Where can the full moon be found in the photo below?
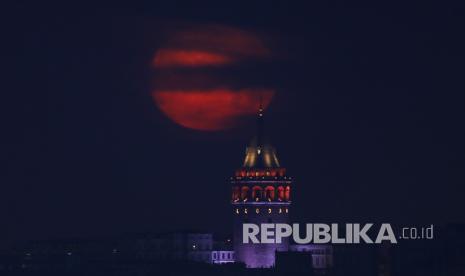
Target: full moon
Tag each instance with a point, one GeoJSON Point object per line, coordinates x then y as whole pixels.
{"type": "Point", "coordinates": [193, 72]}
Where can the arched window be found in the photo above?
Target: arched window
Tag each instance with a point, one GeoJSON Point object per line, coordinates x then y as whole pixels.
{"type": "Point", "coordinates": [257, 193]}
{"type": "Point", "coordinates": [244, 192]}
{"type": "Point", "coordinates": [287, 193]}
{"type": "Point", "coordinates": [281, 193]}
{"type": "Point", "coordinates": [236, 193]}
{"type": "Point", "coordinates": [269, 193]}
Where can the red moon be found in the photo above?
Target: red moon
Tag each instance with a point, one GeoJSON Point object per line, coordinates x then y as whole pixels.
{"type": "Point", "coordinates": [196, 98]}
{"type": "Point", "coordinates": [210, 110]}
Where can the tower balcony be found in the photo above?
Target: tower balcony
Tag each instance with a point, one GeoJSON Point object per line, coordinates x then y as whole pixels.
{"type": "Point", "coordinates": [261, 193]}
{"type": "Point", "coordinates": [260, 173]}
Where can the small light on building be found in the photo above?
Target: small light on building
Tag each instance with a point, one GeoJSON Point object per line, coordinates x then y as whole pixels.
{"type": "Point", "coordinates": [257, 210]}
{"type": "Point", "coordinates": [269, 210]}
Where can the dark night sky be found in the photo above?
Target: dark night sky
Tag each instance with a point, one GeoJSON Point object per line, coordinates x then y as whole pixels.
{"type": "Point", "coordinates": [368, 118]}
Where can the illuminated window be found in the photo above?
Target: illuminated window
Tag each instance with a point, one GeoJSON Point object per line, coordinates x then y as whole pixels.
{"type": "Point", "coordinates": [269, 193]}
{"type": "Point", "coordinates": [237, 210]}
{"type": "Point", "coordinates": [235, 193]}
{"type": "Point", "coordinates": [257, 193]}
{"type": "Point", "coordinates": [257, 210]}
{"type": "Point", "coordinates": [287, 193]}
{"type": "Point", "coordinates": [287, 210]}
{"type": "Point", "coordinates": [269, 210]}
{"type": "Point", "coordinates": [245, 210]}
{"type": "Point", "coordinates": [245, 192]}
{"type": "Point", "coordinates": [281, 193]}
{"type": "Point", "coordinates": [280, 210]}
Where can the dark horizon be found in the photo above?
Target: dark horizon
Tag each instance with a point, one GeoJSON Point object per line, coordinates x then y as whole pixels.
{"type": "Point", "coordinates": [367, 117]}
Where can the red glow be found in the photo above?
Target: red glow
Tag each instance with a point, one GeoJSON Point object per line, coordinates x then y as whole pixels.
{"type": "Point", "coordinates": [204, 99]}
{"type": "Point", "coordinates": [191, 58]}
{"type": "Point", "coordinates": [211, 45]}
{"type": "Point", "coordinates": [281, 192]}
{"type": "Point", "coordinates": [210, 110]}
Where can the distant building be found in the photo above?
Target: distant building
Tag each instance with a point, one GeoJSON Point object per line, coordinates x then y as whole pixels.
{"type": "Point", "coordinates": [188, 246]}
{"type": "Point", "coordinates": [179, 246]}
{"type": "Point", "coordinates": [321, 255]}
{"type": "Point", "coordinates": [222, 257]}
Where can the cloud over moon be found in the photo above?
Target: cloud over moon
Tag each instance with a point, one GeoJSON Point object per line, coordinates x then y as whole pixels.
{"type": "Point", "coordinates": [210, 109]}
{"type": "Point", "coordinates": [198, 82]}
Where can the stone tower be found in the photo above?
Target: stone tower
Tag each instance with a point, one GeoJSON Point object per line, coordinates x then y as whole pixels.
{"type": "Point", "coordinates": [260, 194]}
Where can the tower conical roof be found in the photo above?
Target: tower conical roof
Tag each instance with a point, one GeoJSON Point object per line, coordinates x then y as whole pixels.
{"type": "Point", "coordinates": [260, 154]}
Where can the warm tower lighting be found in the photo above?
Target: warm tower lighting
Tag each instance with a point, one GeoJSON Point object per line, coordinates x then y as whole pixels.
{"type": "Point", "coordinates": [264, 185]}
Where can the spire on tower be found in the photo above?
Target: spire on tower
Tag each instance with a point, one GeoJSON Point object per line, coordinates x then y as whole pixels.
{"type": "Point", "coordinates": [260, 125]}
{"type": "Point", "coordinates": [260, 154]}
